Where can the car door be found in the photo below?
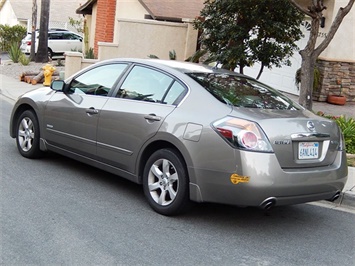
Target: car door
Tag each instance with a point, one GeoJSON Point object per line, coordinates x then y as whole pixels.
{"type": "Point", "coordinates": [71, 42]}
{"type": "Point", "coordinates": [55, 42]}
{"type": "Point", "coordinates": [126, 122]}
{"type": "Point", "coordinates": [71, 118]}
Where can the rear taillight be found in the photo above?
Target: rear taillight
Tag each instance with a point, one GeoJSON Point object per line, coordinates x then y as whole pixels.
{"type": "Point", "coordinates": [243, 134]}
{"type": "Point", "coordinates": [28, 42]}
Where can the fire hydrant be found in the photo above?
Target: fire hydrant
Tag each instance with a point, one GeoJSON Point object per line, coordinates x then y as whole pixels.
{"type": "Point", "coordinates": [48, 72]}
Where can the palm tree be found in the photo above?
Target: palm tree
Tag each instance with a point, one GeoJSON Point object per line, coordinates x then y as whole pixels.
{"type": "Point", "coordinates": [34, 26]}
{"type": "Point", "coordinates": [42, 52]}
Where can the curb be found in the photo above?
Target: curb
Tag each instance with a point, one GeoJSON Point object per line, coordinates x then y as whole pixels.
{"type": "Point", "coordinates": [346, 199]}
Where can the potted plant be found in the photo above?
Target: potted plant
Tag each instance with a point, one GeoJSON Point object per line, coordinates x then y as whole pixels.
{"type": "Point", "coordinates": [337, 99]}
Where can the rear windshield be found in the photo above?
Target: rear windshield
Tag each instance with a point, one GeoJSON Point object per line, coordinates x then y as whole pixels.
{"type": "Point", "coordinates": [243, 92]}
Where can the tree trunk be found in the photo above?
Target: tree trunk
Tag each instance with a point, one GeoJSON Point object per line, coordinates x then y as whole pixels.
{"type": "Point", "coordinates": [34, 26]}
{"type": "Point", "coordinates": [260, 71]}
{"type": "Point", "coordinates": [27, 73]}
{"type": "Point", "coordinates": [307, 78]}
{"type": "Point", "coordinates": [310, 53]}
{"type": "Point", "coordinates": [42, 52]}
{"type": "Point", "coordinates": [38, 78]}
{"type": "Point", "coordinates": [28, 79]}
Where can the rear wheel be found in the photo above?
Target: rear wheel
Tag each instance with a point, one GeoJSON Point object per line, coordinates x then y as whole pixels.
{"type": "Point", "coordinates": [27, 138]}
{"type": "Point", "coordinates": [165, 182]}
{"type": "Point", "coordinates": [50, 53]}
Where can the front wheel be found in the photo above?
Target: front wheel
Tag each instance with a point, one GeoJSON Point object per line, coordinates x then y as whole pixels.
{"type": "Point", "coordinates": [165, 182]}
{"type": "Point", "coordinates": [27, 138]}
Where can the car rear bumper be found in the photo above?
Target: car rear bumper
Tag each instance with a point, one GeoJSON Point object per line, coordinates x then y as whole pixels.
{"type": "Point", "coordinates": [259, 179]}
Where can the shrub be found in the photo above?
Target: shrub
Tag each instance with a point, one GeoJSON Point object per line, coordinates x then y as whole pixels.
{"type": "Point", "coordinates": [10, 35]}
{"type": "Point", "coordinates": [59, 62]}
{"type": "Point", "coordinates": [24, 60]}
{"type": "Point", "coordinates": [15, 52]}
{"type": "Point", "coordinates": [347, 126]}
{"type": "Point", "coordinates": [89, 54]}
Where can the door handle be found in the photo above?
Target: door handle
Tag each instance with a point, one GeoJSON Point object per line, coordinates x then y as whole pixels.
{"type": "Point", "coordinates": [92, 111]}
{"type": "Point", "coordinates": [152, 117]}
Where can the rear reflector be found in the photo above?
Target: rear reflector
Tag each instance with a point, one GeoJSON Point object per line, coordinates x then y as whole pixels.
{"type": "Point", "coordinates": [225, 133]}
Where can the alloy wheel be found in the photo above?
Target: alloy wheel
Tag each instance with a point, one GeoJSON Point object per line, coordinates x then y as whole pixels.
{"type": "Point", "coordinates": [26, 134]}
{"type": "Point", "coordinates": [163, 182]}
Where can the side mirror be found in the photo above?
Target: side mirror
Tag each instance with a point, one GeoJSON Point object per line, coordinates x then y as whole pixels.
{"type": "Point", "coordinates": [58, 85]}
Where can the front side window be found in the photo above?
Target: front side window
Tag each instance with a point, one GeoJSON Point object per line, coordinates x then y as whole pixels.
{"type": "Point", "coordinates": [145, 84]}
{"type": "Point", "coordinates": [243, 92]}
{"type": "Point", "coordinates": [55, 36]}
{"type": "Point", "coordinates": [97, 81]}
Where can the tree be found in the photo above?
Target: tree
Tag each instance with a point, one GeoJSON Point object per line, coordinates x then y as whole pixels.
{"type": "Point", "coordinates": [239, 33]}
{"type": "Point", "coordinates": [33, 32]}
{"type": "Point", "coordinates": [42, 51]}
{"type": "Point", "coordinates": [310, 53]}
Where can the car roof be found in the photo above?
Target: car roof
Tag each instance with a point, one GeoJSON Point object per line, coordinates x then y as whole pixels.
{"type": "Point", "coordinates": [187, 67]}
{"type": "Point", "coordinates": [181, 66]}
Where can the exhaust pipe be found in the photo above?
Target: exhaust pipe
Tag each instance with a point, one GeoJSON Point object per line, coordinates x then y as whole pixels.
{"type": "Point", "coordinates": [268, 203]}
{"type": "Point", "coordinates": [335, 197]}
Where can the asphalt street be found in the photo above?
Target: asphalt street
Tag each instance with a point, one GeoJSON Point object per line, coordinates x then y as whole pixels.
{"type": "Point", "coordinates": [58, 211]}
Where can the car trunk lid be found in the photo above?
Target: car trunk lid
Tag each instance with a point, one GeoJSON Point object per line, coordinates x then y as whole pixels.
{"type": "Point", "coordinates": [298, 137]}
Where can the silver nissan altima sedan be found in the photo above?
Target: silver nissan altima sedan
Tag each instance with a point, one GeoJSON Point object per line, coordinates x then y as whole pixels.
{"type": "Point", "coordinates": [186, 132]}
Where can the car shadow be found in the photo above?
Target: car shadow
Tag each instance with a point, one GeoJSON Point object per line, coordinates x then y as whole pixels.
{"type": "Point", "coordinates": [208, 214]}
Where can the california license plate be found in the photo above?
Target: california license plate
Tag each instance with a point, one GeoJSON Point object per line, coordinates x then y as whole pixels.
{"type": "Point", "coordinates": [308, 150]}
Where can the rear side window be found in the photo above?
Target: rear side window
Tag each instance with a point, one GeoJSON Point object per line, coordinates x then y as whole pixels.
{"type": "Point", "coordinates": [243, 92]}
{"type": "Point", "coordinates": [174, 95]}
{"type": "Point", "coordinates": [71, 36]}
{"type": "Point", "coordinates": [146, 84]}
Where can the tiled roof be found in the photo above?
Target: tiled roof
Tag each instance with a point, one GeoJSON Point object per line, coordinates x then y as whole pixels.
{"type": "Point", "coordinates": [173, 9]}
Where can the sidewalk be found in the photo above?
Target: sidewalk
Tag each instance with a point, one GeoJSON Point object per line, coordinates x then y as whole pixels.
{"type": "Point", "coordinates": [12, 88]}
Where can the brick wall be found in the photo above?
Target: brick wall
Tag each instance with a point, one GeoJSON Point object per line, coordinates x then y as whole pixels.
{"type": "Point", "coordinates": [105, 22]}
{"type": "Point", "coordinates": [336, 76]}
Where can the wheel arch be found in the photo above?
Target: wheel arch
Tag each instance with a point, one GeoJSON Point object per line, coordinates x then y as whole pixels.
{"type": "Point", "coordinates": [158, 145]}
{"type": "Point", "coordinates": [19, 110]}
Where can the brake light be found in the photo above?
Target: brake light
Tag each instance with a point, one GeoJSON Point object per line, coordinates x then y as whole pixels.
{"type": "Point", "coordinates": [243, 134]}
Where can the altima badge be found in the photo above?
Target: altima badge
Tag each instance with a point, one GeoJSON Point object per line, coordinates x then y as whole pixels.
{"type": "Point", "coordinates": [310, 126]}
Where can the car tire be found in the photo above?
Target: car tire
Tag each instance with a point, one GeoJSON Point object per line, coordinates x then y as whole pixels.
{"type": "Point", "coordinates": [166, 183]}
{"type": "Point", "coordinates": [50, 53]}
{"type": "Point", "coordinates": [27, 135]}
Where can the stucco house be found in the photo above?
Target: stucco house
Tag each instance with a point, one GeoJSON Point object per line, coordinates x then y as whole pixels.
{"type": "Point", "coordinates": [162, 25]}
{"type": "Point", "coordinates": [336, 62]}
{"type": "Point", "coordinates": [138, 28]}
{"type": "Point", "coordinates": [19, 12]}
{"type": "Point", "coordinates": [141, 27]}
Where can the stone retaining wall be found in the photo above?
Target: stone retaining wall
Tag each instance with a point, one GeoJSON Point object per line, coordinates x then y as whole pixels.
{"type": "Point", "coordinates": [336, 77]}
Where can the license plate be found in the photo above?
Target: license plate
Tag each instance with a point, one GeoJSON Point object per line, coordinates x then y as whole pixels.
{"type": "Point", "coordinates": [308, 150]}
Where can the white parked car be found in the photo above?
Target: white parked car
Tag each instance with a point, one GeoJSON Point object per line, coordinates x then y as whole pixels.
{"type": "Point", "coordinates": [59, 41]}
